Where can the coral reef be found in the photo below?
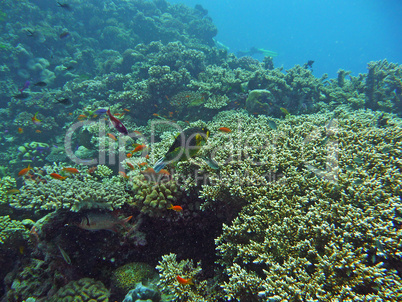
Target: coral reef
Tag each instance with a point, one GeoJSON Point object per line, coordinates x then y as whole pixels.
{"type": "Point", "coordinates": [73, 194]}
{"type": "Point", "coordinates": [333, 229]}
{"type": "Point", "coordinates": [85, 289]}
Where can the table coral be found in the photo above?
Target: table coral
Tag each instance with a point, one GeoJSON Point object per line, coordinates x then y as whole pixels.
{"type": "Point", "coordinates": [72, 194]}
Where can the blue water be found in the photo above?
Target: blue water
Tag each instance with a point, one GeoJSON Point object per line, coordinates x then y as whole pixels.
{"type": "Point", "coordinates": [337, 34]}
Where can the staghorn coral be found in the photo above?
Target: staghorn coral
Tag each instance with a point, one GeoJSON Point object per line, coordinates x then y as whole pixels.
{"type": "Point", "coordinates": [169, 268]}
{"type": "Point", "coordinates": [383, 87]}
{"type": "Point", "coordinates": [73, 194]}
{"type": "Point", "coordinates": [329, 228]}
{"type": "Point", "coordinates": [85, 289]}
{"type": "Point", "coordinates": [126, 277]}
{"type": "Point", "coordinates": [153, 197]}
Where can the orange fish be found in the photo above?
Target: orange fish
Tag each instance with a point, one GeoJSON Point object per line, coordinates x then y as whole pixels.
{"type": "Point", "coordinates": [24, 171]}
{"type": "Point", "coordinates": [139, 148]}
{"type": "Point", "coordinates": [164, 172]}
{"type": "Point", "coordinates": [38, 131]}
{"type": "Point", "coordinates": [170, 113]}
{"type": "Point", "coordinates": [147, 156]}
{"type": "Point", "coordinates": [92, 169]}
{"type": "Point", "coordinates": [184, 281]}
{"type": "Point", "coordinates": [142, 164]}
{"type": "Point", "coordinates": [155, 114]}
{"type": "Point", "coordinates": [224, 129]}
{"type": "Point", "coordinates": [20, 130]}
{"type": "Point", "coordinates": [125, 109]}
{"type": "Point", "coordinates": [138, 132]}
{"type": "Point", "coordinates": [112, 136]}
{"type": "Point", "coordinates": [81, 116]}
{"type": "Point", "coordinates": [35, 120]}
{"type": "Point", "coordinates": [124, 175]}
{"type": "Point", "coordinates": [57, 176]}
{"type": "Point", "coordinates": [129, 155]}
{"type": "Point", "coordinates": [71, 170]}
{"type": "Point", "coordinates": [130, 165]}
{"type": "Point", "coordinates": [175, 208]}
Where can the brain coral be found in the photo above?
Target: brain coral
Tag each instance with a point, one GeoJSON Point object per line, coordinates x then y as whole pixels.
{"type": "Point", "coordinates": [326, 224]}
{"type": "Point", "coordinates": [85, 289]}
{"type": "Point", "coordinates": [71, 193]}
{"type": "Point", "coordinates": [127, 276]}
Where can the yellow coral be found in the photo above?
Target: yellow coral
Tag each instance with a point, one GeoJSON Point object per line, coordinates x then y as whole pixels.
{"type": "Point", "coordinates": [127, 276]}
{"type": "Point", "coordinates": [153, 198]}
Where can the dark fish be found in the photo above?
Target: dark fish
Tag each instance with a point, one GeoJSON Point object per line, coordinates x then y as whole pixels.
{"type": "Point", "coordinates": [211, 163]}
{"type": "Point", "coordinates": [358, 160]}
{"type": "Point", "coordinates": [350, 168]}
{"type": "Point", "coordinates": [358, 182]}
{"type": "Point", "coordinates": [117, 124]}
{"type": "Point", "coordinates": [64, 101]}
{"type": "Point", "coordinates": [64, 6]}
{"type": "Point", "coordinates": [387, 149]}
{"type": "Point", "coordinates": [21, 96]}
{"type": "Point", "coordinates": [272, 125]}
{"type": "Point", "coordinates": [40, 84]}
{"type": "Point", "coordinates": [30, 33]}
{"type": "Point", "coordinates": [26, 85]}
{"type": "Point", "coordinates": [69, 68]}
{"type": "Point", "coordinates": [100, 111]}
{"type": "Point", "coordinates": [64, 35]}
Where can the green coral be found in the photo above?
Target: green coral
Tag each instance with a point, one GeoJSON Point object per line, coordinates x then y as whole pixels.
{"type": "Point", "coordinates": [103, 171]}
{"type": "Point", "coordinates": [126, 277]}
{"type": "Point", "coordinates": [85, 289]}
{"type": "Point", "coordinates": [72, 193]}
{"type": "Point", "coordinates": [6, 183]}
{"type": "Point", "coordinates": [12, 233]}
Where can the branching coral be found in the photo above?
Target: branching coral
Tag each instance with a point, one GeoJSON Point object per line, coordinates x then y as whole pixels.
{"type": "Point", "coordinates": [330, 229]}
{"type": "Point", "coordinates": [169, 269]}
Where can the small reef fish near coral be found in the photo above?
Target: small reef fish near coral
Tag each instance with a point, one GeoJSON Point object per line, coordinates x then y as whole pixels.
{"type": "Point", "coordinates": [144, 157]}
